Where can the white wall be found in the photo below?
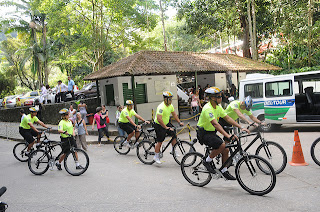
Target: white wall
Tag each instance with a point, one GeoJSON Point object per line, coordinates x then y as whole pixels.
{"type": "Point", "coordinates": [219, 79]}
{"type": "Point", "coordinates": [155, 86]}
{"type": "Point", "coordinates": [204, 79]}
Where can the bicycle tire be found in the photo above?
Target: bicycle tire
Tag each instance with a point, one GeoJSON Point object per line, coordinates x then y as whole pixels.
{"type": "Point", "coordinates": [194, 171]}
{"type": "Point", "coordinates": [146, 152]}
{"type": "Point", "coordinates": [274, 154]}
{"type": "Point", "coordinates": [119, 147]}
{"type": "Point", "coordinates": [315, 150]}
{"type": "Point", "coordinates": [35, 161]}
{"type": "Point", "coordinates": [70, 162]}
{"type": "Point", "coordinates": [249, 175]}
{"type": "Point", "coordinates": [19, 151]}
{"type": "Point", "coordinates": [180, 149]}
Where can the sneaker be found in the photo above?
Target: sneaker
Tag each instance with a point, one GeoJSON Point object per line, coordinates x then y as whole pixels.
{"type": "Point", "coordinates": [157, 160]}
{"type": "Point", "coordinates": [228, 176]}
{"type": "Point", "coordinates": [58, 165]}
{"type": "Point", "coordinates": [127, 144]}
{"type": "Point", "coordinates": [79, 167]}
{"type": "Point", "coordinates": [27, 154]}
{"type": "Point", "coordinates": [209, 166]}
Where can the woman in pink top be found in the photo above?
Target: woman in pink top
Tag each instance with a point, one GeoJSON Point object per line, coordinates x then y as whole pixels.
{"type": "Point", "coordinates": [195, 104]}
{"type": "Point", "coordinates": [102, 128]}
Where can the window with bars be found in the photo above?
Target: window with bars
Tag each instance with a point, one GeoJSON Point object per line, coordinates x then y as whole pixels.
{"type": "Point", "coordinates": [140, 93]}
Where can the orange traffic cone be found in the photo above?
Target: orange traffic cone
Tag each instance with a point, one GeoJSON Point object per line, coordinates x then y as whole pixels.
{"type": "Point", "coordinates": [297, 154]}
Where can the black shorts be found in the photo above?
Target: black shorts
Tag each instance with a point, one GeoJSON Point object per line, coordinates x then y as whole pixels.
{"type": "Point", "coordinates": [127, 127]}
{"type": "Point", "coordinates": [225, 124]}
{"type": "Point", "coordinates": [211, 139]}
{"type": "Point", "coordinates": [161, 132]}
{"type": "Point", "coordinates": [67, 143]}
{"type": "Point", "coordinates": [28, 134]}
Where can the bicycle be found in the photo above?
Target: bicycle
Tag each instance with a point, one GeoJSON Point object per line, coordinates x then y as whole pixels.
{"type": "Point", "coordinates": [248, 170]}
{"type": "Point", "coordinates": [3, 205]}
{"type": "Point", "coordinates": [41, 160]}
{"type": "Point", "coordinates": [270, 150]}
{"type": "Point", "coordinates": [123, 149]}
{"type": "Point", "coordinates": [146, 150]}
{"type": "Point", "coordinates": [315, 149]}
{"type": "Point", "coordinates": [19, 150]}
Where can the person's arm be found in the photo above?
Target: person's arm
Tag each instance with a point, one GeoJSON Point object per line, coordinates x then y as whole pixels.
{"type": "Point", "coordinates": [177, 118]}
{"type": "Point", "coordinates": [241, 116]}
{"type": "Point", "coordinates": [32, 127]}
{"type": "Point", "coordinates": [232, 122]}
{"type": "Point", "coordinates": [93, 122]}
{"type": "Point", "coordinates": [42, 124]}
{"type": "Point", "coordinates": [85, 126]}
{"type": "Point", "coordinates": [253, 118]}
{"type": "Point", "coordinates": [142, 119]}
{"type": "Point", "coordinates": [131, 121]}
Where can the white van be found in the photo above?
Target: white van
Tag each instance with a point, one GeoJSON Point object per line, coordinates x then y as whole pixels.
{"type": "Point", "coordinates": [284, 99]}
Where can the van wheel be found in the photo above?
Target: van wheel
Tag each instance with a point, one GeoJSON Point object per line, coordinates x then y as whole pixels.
{"type": "Point", "coordinates": [268, 127]}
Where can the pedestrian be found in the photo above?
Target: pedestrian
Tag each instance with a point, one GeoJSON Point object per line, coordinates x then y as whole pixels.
{"type": "Point", "coordinates": [61, 92]}
{"type": "Point", "coordinates": [22, 113]}
{"type": "Point", "coordinates": [195, 105]}
{"type": "Point", "coordinates": [38, 106]}
{"type": "Point", "coordinates": [44, 94]}
{"type": "Point", "coordinates": [72, 114]}
{"type": "Point", "coordinates": [82, 108]}
{"type": "Point", "coordinates": [234, 91]}
{"type": "Point", "coordinates": [102, 129]}
{"type": "Point", "coordinates": [71, 87]}
{"type": "Point", "coordinates": [80, 132]}
{"type": "Point", "coordinates": [105, 116]}
{"type": "Point", "coordinates": [118, 112]}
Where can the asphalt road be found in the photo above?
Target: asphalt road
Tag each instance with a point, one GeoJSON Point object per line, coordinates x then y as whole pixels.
{"type": "Point", "coordinates": [122, 183]}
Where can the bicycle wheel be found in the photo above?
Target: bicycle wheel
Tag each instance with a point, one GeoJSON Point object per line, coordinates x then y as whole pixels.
{"type": "Point", "coordinates": [19, 151]}
{"type": "Point", "coordinates": [76, 162]}
{"type": "Point", "coordinates": [315, 151]}
{"type": "Point", "coordinates": [193, 170]}
{"type": "Point", "coordinates": [146, 152]}
{"type": "Point", "coordinates": [251, 178]}
{"type": "Point", "coordinates": [119, 147]}
{"type": "Point", "coordinates": [180, 149]}
{"type": "Point", "coordinates": [38, 162]}
{"type": "Point", "coordinates": [274, 154]}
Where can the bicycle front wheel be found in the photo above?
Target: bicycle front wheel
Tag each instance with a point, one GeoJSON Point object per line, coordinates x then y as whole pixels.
{"type": "Point", "coordinates": [274, 154]}
{"type": "Point", "coordinates": [146, 152]}
{"type": "Point", "coordinates": [19, 151]}
{"type": "Point", "coordinates": [38, 162]}
{"type": "Point", "coordinates": [76, 162]}
{"type": "Point", "coordinates": [315, 151]}
{"type": "Point", "coordinates": [119, 146]}
{"type": "Point", "coordinates": [251, 178]}
{"type": "Point", "coordinates": [180, 149]}
{"type": "Point", "coordinates": [193, 169]}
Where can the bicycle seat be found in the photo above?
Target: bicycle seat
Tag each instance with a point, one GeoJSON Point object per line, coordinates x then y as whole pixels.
{"type": "Point", "coordinates": [150, 129]}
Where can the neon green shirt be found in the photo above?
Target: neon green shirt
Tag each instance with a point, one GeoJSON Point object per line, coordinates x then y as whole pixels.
{"type": "Point", "coordinates": [65, 126]}
{"type": "Point", "coordinates": [208, 114]}
{"type": "Point", "coordinates": [24, 123]}
{"type": "Point", "coordinates": [165, 111]}
{"type": "Point", "coordinates": [236, 105]}
{"type": "Point", "coordinates": [124, 113]}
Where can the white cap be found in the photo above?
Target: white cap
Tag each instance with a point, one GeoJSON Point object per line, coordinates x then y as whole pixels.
{"type": "Point", "coordinates": [231, 98]}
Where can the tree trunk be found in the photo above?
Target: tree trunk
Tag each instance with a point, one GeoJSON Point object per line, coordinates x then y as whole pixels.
{"type": "Point", "coordinates": [254, 32]}
{"type": "Point", "coordinates": [310, 14]}
{"type": "Point", "coordinates": [163, 27]}
{"type": "Point", "coordinates": [246, 37]}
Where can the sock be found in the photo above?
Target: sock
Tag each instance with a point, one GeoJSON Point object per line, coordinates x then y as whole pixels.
{"type": "Point", "coordinates": [224, 170]}
{"type": "Point", "coordinates": [208, 159]}
{"type": "Point", "coordinates": [157, 155]}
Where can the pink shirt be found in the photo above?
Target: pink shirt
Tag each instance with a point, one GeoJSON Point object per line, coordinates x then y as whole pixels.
{"type": "Point", "coordinates": [194, 102]}
{"type": "Point", "coordinates": [97, 117]}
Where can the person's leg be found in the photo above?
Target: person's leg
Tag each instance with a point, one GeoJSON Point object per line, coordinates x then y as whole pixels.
{"type": "Point", "coordinates": [78, 140]}
{"type": "Point", "coordinates": [83, 141]}
{"type": "Point", "coordinates": [100, 131]}
{"type": "Point", "coordinates": [106, 132]}
{"type": "Point", "coordinates": [72, 94]}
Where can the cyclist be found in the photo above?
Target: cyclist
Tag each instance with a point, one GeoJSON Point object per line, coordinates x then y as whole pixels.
{"type": "Point", "coordinates": [127, 124]}
{"type": "Point", "coordinates": [66, 130]}
{"type": "Point", "coordinates": [162, 125]}
{"type": "Point", "coordinates": [28, 131]}
{"type": "Point", "coordinates": [208, 126]}
{"type": "Point", "coordinates": [237, 108]}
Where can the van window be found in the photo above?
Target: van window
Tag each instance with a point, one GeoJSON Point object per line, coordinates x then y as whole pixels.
{"type": "Point", "coordinates": [281, 88]}
{"type": "Point", "coordinates": [314, 83]}
{"type": "Point", "coordinates": [253, 90]}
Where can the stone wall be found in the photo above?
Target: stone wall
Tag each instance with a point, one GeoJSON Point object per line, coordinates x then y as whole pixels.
{"type": "Point", "coordinates": [50, 112]}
